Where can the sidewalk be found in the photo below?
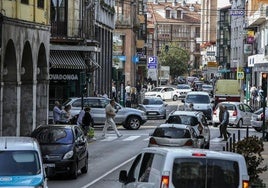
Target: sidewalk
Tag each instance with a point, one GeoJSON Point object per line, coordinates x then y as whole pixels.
{"type": "Point", "coordinates": [264, 175]}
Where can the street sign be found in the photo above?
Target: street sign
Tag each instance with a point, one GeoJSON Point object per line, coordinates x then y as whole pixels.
{"type": "Point", "coordinates": [240, 75]}
{"type": "Point", "coordinates": [152, 62]}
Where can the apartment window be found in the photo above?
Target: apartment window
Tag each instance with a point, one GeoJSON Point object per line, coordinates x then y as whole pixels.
{"type": "Point", "coordinates": [167, 13]}
{"type": "Point", "coordinates": [25, 1]}
{"type": "Point", "coordinates": [179, 16]}
{"type": "Point", "coordinates": [40, 4]}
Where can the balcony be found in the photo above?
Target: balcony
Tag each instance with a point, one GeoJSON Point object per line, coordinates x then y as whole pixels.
{"type": "Point", "coordinates": [258, 17]}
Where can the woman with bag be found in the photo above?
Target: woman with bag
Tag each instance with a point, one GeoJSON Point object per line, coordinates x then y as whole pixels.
{"type": "Point", "coordinates": [87, 122]}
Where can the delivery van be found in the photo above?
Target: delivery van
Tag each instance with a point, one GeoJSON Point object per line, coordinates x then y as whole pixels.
{"type": "Point", "coordinates": [21, 163]}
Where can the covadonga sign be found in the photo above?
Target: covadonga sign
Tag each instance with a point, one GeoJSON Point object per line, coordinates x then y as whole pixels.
{"type": "Point", "coordinates": [63, 77]}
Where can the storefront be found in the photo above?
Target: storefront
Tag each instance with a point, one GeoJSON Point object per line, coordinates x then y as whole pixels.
{"type": "Point", "coordinates": [67, 75]}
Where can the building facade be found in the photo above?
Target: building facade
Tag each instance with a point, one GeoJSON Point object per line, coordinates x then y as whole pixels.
{"type": "Point", "coordinates": [24, 59]}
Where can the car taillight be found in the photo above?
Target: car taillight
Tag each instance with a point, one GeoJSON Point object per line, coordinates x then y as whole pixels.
{"type": "Point", "coordinates": [165, 182]}
{"type": "Point", "coordinates": [245, 184]}
{"type": "Point", "coordinates": [199, 154]}
{"type": "Point", "coordinates": [189, 143]}
{"type": "Point", "coordinates": [235, 113]}
{"type": "Point", "coordinates": [152, 141]}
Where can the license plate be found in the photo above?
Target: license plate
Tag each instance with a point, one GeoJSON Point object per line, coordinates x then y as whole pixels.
{"type": "Point", "coordinates": [51, 165]}
{"type": "Point", "coordinates": [152, 113]}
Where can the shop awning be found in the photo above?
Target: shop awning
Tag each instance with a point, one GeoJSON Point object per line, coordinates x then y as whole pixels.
{"type": "Point", "coordinates": [66, 60]}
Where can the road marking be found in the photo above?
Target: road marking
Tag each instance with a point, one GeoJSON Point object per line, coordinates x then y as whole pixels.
{"type": "Point", "coordinates": [130, 138]}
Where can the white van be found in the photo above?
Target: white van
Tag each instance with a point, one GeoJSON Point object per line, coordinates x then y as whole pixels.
{"type": "Point", "coordinates": [185, 168]}
{"type": "Point", "coordinates": [21, 163]}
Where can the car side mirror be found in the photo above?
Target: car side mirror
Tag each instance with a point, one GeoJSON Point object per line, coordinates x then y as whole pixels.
{"type": "Point", "coordinates": [123, 176]}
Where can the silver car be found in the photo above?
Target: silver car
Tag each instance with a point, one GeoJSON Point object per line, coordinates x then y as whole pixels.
{"type": "Point", "coordinates": [130, 118]}
{"type": "Point", "coordinates": [175, 135]}
{"type": "Point", "coordinates": [154, 107]}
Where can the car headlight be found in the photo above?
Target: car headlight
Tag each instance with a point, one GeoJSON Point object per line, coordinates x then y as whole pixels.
{"type": "Point", "coordinates": [68, 155]}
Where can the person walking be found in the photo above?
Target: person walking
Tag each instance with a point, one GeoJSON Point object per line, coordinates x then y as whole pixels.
{"type": "Point", "coordinates": [224, 123]}
{"type": "Point", "coordinates": [57, 113]}
{"type": "Point", "coordinates": [66, 115]}
{"type": "Point", "coordinates": [221, 116]}
{"type": "Point", "coordinates": [110, 114]}
{"type": "Point", "coordinates": [87, 121]}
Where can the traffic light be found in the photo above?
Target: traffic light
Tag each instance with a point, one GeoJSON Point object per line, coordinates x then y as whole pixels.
{"type": "Point", "coordinates": [264, 83]}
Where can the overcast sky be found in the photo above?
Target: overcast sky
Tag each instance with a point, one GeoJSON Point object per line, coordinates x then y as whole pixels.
{"type": "Point", "coordinates": [223, 3]}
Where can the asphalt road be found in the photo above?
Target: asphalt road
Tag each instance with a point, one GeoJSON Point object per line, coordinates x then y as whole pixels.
{"type": "Point", "coordinates": [110, 155]}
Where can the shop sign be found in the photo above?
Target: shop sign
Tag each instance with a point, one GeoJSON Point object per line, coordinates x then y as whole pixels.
{"type": "Point", "coordinates": [63, 77]}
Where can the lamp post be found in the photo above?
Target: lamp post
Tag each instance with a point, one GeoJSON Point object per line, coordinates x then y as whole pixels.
{"type": "Point", "coordinates": [264, 94]}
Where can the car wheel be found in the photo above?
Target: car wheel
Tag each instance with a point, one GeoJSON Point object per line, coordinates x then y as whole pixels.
{"type": "Point", "coordinates": [239, 123]}
{"type": "Point", "coordinates": [85, 168]}
{"type": "Point", "coordinates": [258, 129]}
{"type": "Point", "coordinates": [175, 97]}
{"type": "Point", "coordinates": [133, 122]}
{"type": "Point", "coordinates": [74, 171]}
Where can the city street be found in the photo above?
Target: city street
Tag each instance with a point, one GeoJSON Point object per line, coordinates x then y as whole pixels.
{"type": "Point", "coordinates": [110, 155]}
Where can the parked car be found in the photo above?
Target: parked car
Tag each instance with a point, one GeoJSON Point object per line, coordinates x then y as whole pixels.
{"type": "Point", "coordinates": [257, 119]}
{"type": "Point", "coordinates": [176, 135]}
{"type": "Point", "coordinates": [185, 168]}
{"type": "Point", "coordinates": [164, 93]}
{"type": "Point", "coordinates": [183, 89]}
{"type": "Point", "coordinates": [154, 107]}
{"type": "Point", "coordinates": [64, 149]}
{"type": "Point", "coordinates": [130, 118]}
{"type": "Point", "coordinates": [196, 120]}
{"type": "Point", "coordinates": [239, 113]}
{"type": "Point", "coordinates": [21, 163]}
{"type": "Point", "coordinates": [201, 102]}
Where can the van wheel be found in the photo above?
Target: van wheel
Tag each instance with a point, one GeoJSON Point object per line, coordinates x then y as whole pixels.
{"type": "Point", "coordinates": [74, 171]}
{"type": "Point", "coordinates": [85, 168]}
{"type": "Point", "coordinates": [239, 123]}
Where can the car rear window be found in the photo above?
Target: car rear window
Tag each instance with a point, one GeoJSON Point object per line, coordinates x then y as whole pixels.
{"type": "Point", "coordinates": [183, 119]}
{"type": "Point", "coordinates": [152, 101]}
{"type": "Point", "coordinates": [17, 163]}
{"type": "Point", "coordinates": [199, 99]}
{"type": "Point", "coordinates": [55, 135]}
{"type": "Point", "coordinates": [171, 132]}
{"type": "Point", "coordinates": [202, 172]}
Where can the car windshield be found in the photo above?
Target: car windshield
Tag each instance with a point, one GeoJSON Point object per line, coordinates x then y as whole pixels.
{"type": "Point", "coordinates": [171, 132]}
{"type": "Point", "coordinates": [203, 172]}
{"type": "Point", "coordinates": [183, 87]}
{"type": "Point", "coordinates": [183, 119]}
{"type": "Point", "coordinates": [16, 163]}
{"type": "Point", "coordinates": [207, 87]}
{"type": "Point", "coordinates": [153, 101]}
{"type": "Point", "coordinates": [199, 99]}
{"type": "Point", "coordinates": [55, 135]}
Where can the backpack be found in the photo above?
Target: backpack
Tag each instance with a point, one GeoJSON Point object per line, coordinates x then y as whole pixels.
{"type": "Point", "coordinates": [87, 119]}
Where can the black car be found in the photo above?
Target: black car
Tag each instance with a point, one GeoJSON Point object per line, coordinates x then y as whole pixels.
{"type": "Point", "coordinates": [64, 149]}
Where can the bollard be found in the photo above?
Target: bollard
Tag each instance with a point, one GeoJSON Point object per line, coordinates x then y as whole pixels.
{"type": "Point", "coordinates": [231, 144]}
{"type": "Point", "coordinates": [227, 146]}
{"type": "Point", "coordinates": [234, 142]}
{"type": "Point", "coordinates": [238, 135]}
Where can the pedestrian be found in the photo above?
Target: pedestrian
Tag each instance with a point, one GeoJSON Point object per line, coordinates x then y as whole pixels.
{"type": "Point", "coordinates": [87, 121]}
{"type": "Point", "coordinates": [66, 115]}
{"type": "Point", "coordinates": [80, 117]}
{"type": "Point", "coordinates": [224, 123]}
{"type": "Point", "coordinates": [110, 114]}
{"type": "Point", "coordinates": [57, 112]}
{"type": "Point", "coordinates": [221, 116]}
{"type": "Point", "coordinates": [190, 107]}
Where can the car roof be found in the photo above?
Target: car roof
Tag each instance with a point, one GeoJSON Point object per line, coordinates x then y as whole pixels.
{"type": "Point", "coordinates": [66, 126]}
{"type": "Point", "coordinates": [190, 113]}
{"type": "Point", "coordinates": [18, 143]}
{"type": "Point", "coordinates": [182, 126]}
{"type": "Point", "coordinates": [188, 152]}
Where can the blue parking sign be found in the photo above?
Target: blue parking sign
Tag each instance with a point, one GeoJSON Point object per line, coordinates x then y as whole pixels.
{"type": "Point", "coordinates": [152, 62]}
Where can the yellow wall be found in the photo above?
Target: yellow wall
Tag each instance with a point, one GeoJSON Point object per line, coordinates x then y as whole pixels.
{"type": "Point", "coordinates": [30, 12]}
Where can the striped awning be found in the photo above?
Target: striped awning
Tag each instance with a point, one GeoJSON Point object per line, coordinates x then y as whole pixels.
{"type": "Point", "coordinates": [66, 60]}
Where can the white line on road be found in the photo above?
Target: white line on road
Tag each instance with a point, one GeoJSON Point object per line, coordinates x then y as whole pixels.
{"type": "Point", "coordinates": [109, 172]}
{"type": "Point", "coordinates": [131, 138]}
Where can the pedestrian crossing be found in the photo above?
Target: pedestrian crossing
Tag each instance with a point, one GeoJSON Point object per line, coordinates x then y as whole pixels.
{"type": "Point", "coordinates": [124, 138]}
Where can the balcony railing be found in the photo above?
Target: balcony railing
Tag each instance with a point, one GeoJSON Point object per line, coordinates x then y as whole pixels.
{"type": "Point", "coordinates": [259, 16]}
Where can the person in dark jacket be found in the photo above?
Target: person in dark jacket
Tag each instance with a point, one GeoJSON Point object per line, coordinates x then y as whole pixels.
{"type": "Point", "coordinates": [87, 120]}
{"type": "Point", "coordinates": [224, 123]}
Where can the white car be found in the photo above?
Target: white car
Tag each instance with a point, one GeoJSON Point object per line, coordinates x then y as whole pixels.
{"type": "Point", "coordinates": [183, 89]}
{"type": "Point", "coordinates": [165, 93]}
{"type": "Point", "coordinates": [239, 113]}
{"type": "Point", "coordinates": [159, 167]}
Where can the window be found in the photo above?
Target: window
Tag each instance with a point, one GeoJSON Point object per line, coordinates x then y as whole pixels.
{"type": "Point", "coordinates": [167, 13]}
{"type": "Point", "coordinates": [146, 167]}
{"type": "Point", "coordinates": [40, 4]}
{"type": "Point", "coordinates": [25, 1]}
